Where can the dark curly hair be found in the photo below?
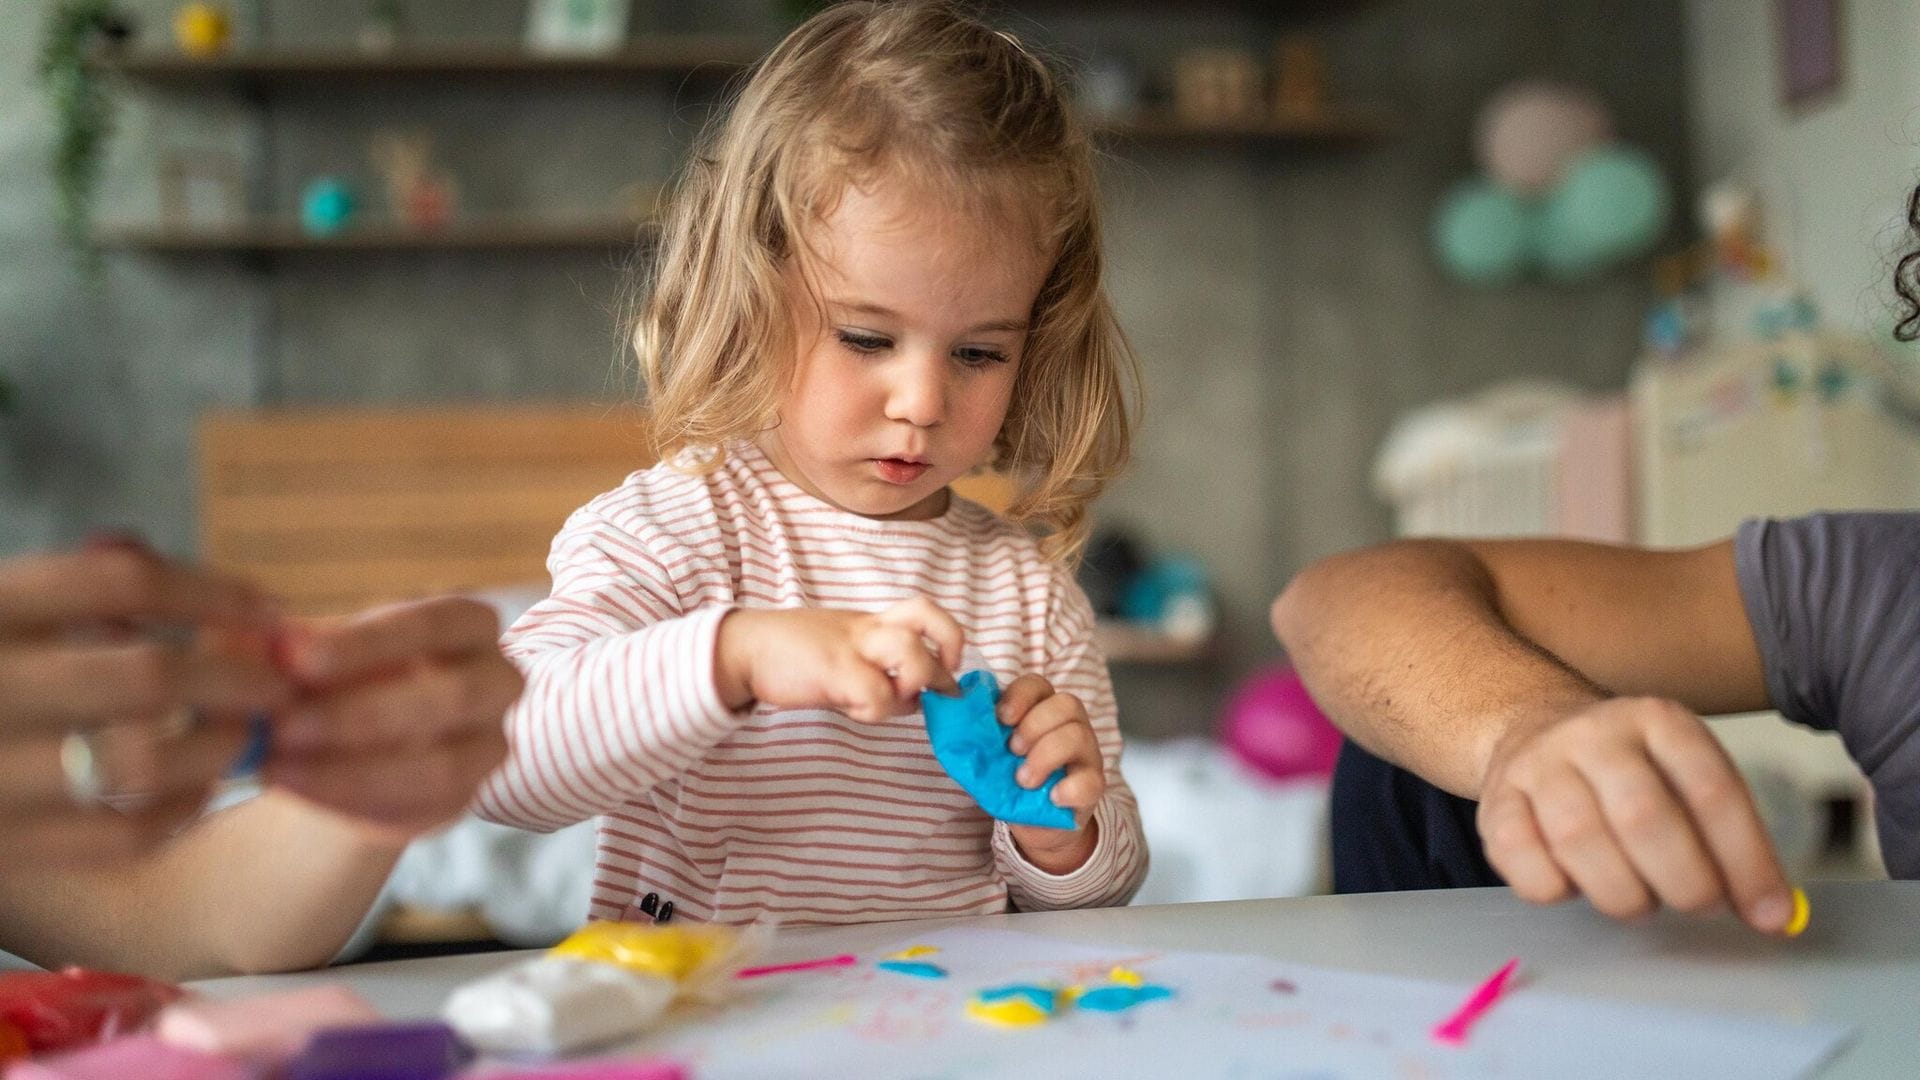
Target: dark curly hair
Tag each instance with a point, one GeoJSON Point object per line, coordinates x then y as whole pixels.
{"type": "Point", "coordinates": [1906, 277]}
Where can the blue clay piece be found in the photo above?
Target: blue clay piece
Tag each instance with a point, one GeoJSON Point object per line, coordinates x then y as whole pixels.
{"type": "Point", "coordinates": [259, 745]}
{"type": "Point", "coordinates": [972, 746]}
{"type": "Point", "coordinates": [916, 968]}
{"type": "Point", "coordinates": [1044, 998]}
{"type": "Point", "coordinates": [1113, 999]}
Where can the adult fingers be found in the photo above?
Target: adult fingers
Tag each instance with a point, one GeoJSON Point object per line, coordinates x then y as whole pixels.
{"type": "Point", "coordinates": [1021, 695]}
{"type": "Point", "coordinates": [1694, 763]}
{"type": "Point", "coordinates": [130, 760]}
{"type": "Point", "coordinates": [425, 703]}
{"type": "Point", "coordinates": [1516, 849]}
{"type": "Point", "coordinates": [411, 793]}
{"type": "Point", "coordinates": [1653, 828]}
{"type": "Point", "coordinates": [1053, 712]}
{"type": "Point", "coordinates": [1584, 847]}
{"type": "Point", "coordinates": [385, 638]}
{"type": "Point", "coordinates": [930, 621]}
{"type": "Point", "coordinates": [54, 686]}
{"type": "Point", "coordinates": [43, 593]}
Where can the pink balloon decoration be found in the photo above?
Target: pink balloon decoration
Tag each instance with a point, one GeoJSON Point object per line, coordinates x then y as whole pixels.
{"type": "Point", "coordinates": [1530, 131]}
{"type": "Point", "coordinates": [1272, 724]}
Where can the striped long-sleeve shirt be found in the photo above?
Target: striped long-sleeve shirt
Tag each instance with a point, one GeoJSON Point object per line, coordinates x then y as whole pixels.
{"type": "Point", "coordinates": [802, 814]}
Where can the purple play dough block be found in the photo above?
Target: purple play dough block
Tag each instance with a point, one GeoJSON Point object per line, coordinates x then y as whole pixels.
{"type": "Point", "coordinates": [422, 1051]}
{"type": "Point", "coordinates": [140, 1056]}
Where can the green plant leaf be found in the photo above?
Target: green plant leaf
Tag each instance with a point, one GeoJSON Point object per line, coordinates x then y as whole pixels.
{"type": "Point", "coordinates": [84, 113]}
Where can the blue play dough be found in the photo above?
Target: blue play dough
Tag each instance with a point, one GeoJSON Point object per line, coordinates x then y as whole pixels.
{"type": "Point", "coordinates": [972, 746]}
{"type": "Point", "coordinates": [916, 968]}
{"type": "Point", "coordinates": [1120, 998]}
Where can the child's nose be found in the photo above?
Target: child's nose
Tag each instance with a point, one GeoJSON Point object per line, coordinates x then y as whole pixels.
{"type": "Point", "coordinates": [919, 393]}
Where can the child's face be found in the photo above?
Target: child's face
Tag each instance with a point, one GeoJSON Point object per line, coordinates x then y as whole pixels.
{"type": "Point", "coordinates": [906, 365]}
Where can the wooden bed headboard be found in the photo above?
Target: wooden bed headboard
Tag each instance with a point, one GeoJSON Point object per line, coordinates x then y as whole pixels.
{"type": "Point", "coordinates": [336, 509]}
{"type": "Point", "coordinates": [333, 510]}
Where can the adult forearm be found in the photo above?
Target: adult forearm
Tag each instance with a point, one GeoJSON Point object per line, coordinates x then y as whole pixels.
{"type": "Point", "coordinates": [270, 885]}
{"type": "Point", "coordinates": [1406, 648]}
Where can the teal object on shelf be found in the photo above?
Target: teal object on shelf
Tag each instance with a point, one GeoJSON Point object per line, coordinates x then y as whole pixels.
{"type": "Point", "coordinates": [1483, 233]}
{"type": "Point", "coordinates": [1612, 206]}
{"type": "Point", "coordinates": [327, 207]}
{"type": "Point", "coordinates": [971, 744]}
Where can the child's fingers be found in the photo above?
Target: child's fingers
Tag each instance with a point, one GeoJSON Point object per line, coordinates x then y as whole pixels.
{"type": "Point", "coordinates": [1067, 747]}
{"type": "Point", "coordinates": [865, 692]}
{"type": "Point", "coordinates": [1021, 695]}
{"type": "Point", "coordinates": [926, 619]}
{"type": "Point", "coordinates": [902, 654]}
{"type": "Point", "coordinates": [1081, 789]}
{"type": "Point", "coordinates": [1043, 719]}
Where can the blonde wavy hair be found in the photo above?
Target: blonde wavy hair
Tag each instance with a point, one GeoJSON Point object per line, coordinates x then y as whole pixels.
{"type": "Point", "coordinates": [860, 91]}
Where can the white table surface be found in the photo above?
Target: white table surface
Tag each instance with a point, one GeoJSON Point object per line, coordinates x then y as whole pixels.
{"type": "Point", "coordinates": [1858, 964]}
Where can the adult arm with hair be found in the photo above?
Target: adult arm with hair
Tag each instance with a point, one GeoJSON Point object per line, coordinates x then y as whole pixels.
{"type": "Point", "coordinates": [1561, 685]}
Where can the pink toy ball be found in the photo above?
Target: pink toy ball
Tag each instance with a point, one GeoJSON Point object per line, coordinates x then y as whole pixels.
{"type": "Point", "coordinates": [1529, 132]}
{"type": "Point", "coordinates": [1272, 724]}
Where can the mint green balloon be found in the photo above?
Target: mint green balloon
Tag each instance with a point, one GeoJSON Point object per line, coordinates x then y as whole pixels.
{"type": "Point", "coordinates": [1483, 233]}
{"type": "Point", "coordinates": [1612, 206]}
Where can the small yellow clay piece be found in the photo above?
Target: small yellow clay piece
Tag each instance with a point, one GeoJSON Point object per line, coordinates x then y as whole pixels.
{"type": "Point", "coordinates": [1802, 911]}
{"type": "Point", "coordinates": [1126, 977]}
{"type": "Point", "coordinates": [1015, 1006]}
{"type": "Point", "coordinates": [671, 952]}
{"type": "Point", "coordinates": [914, 952]}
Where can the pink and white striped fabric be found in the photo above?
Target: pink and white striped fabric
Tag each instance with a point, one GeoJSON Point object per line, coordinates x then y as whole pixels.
{"type": "Point", "coordinates": [801, 814]}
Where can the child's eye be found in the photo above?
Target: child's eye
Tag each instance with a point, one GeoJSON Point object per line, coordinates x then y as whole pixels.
{"type": "Point", "coordinates": [862, 343]}
{"type": "Point", "coordinates": [981, 357]}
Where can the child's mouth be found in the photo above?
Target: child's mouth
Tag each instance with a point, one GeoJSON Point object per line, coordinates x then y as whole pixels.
{"type": "Point", "coordinates": [900, 470]}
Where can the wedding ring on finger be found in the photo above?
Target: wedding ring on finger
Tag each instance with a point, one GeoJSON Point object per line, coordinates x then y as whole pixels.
{"type": "Point", "coordinates": [80, 766]}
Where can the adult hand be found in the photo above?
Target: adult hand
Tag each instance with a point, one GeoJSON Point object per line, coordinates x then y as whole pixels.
{"type": "Point", "coordinates": [399, 715]}
{"type": "Point", "coordinates": [1051, 730]}
{"type": "Point", "coordinates": [1633, 803]}
{"type": "Point", "coordinates": [871, 667]}
{"type": "Point", "coordinates": [121, 674]}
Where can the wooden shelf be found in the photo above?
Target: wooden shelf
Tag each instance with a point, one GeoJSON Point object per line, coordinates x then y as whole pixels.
{"type": "Point", "coordinates": [1131, 643]}
{"type": "Point", "coordinates": [1343, 125]}
{"type": "Point", "coordinates": [265, 238]}
{"type": "Point", "coordinates": [678, 55]}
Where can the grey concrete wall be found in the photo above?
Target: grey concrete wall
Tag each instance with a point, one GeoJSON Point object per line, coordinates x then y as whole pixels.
{"type": "Point", "coordinates": [1284, 302]}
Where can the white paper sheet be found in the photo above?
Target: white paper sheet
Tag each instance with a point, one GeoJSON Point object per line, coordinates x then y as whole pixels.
{"type": "Point", "coordinates": [1232, 1016]}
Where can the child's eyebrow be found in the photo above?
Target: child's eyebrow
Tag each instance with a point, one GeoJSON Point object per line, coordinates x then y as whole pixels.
{"type": "Point", "coordinates": [1016, 326]}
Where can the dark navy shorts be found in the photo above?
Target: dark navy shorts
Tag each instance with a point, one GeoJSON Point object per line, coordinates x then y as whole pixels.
{"type": "Point", "coordinates": [1393, 831]}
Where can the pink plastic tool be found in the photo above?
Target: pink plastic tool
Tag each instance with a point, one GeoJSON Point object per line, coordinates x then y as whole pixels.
{"type": "Point", "coordinates": [1453, 1030]}
{"type": "Point", "coordinates": [601, 1070]}
{"type": "Point", "coordinates": [843, 960]}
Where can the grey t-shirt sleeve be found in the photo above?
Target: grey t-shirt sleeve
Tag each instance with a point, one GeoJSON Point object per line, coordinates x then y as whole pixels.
{"type": "Point", "coordinates": [1834, 600]}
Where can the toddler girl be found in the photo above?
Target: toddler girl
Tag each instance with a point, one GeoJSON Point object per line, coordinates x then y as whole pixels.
{"type": "Point", "coordinates": [879, 275]}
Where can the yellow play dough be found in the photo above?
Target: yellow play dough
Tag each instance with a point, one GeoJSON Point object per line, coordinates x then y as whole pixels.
{"type": "Point", "coordinates": [1802, 911]}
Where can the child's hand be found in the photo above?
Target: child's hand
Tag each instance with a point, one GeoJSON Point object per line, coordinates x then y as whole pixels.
{"type": "Point", "coordinates": [1052, 732]}
{"type": "Point", "coordinates": [870, 667]}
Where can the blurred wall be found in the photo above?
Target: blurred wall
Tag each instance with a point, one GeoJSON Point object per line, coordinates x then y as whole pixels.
{"type": "Point", "coordinates": [1835, 174]}
{"type": "Point", "coordinates": [1283, 300]}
